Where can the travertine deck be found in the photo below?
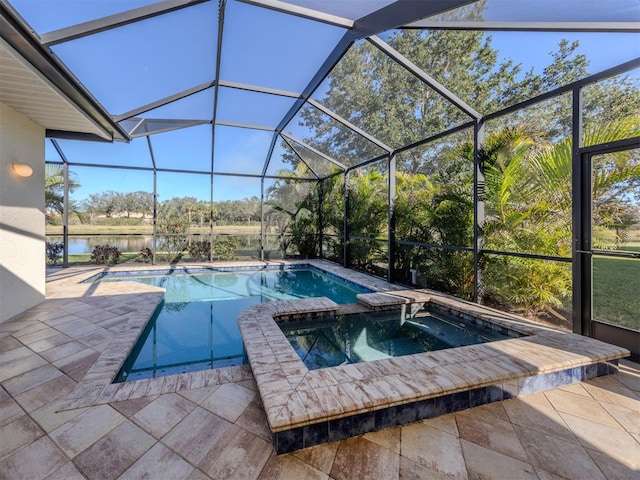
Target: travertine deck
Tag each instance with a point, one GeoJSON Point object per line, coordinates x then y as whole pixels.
{"type": "Point", "coordinates": [585, 430]}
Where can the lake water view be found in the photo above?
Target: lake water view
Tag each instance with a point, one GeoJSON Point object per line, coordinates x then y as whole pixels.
{"type": "Point", "coordinates": [83, 244]}
{"type": "Point", "coordinates": [125, 243]}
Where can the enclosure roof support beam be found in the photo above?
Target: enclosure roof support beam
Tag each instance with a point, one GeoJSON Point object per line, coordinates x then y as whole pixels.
{"type": "Point", "coordinates": [249, 126]}
{"type": "Point", "coordinates": [142, 129]}
{"type": "Point", "coordinates": [300, 157]}
{"type": "Point", "coordinates": [606, 27]}
{"type": "Point", "coordinates": [153, 157]}
{"type": "Point", "coordinates": [222, 7]}
{"type": "Point", "coordinates": [379, 158]}
{"type": "Point", "coordinates": [332, 59]}
{"type": "Point", "coordinates": [254, 88]}
{"type": "Point", "coordinates": [437, 136]}
{"type": "Point", "coordinates": [349, 125]}
{"type": "Point", "coordinates": [392, 16]}
{"type": "Point", "coordinates": [56, 145]}
{"type": "Point", "coordinates": [303, 12]}
{"type": "Point", "coordinates": [138, 125]}
{"type": "Point", "coordinates": [164, 101]}
{"type": "Point", "coordinates": [272, 145]}
{"type": "Point", "coordinates": [286, 136]}
{"type": "Point", "coordinates": [402, 12]}
{"type": "Point", "coordinates": [424, 77]}
{"type": "Point", "coordinates": [596, 77]}
{"type": "Point", "coordinates": [113, 21]}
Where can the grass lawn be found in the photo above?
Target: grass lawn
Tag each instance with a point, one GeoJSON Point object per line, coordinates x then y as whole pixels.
{"type": "Point", "coordinates": [616, 291]}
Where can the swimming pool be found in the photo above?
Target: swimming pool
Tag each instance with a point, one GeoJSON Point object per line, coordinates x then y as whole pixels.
{"type": "Point", "coordinates": [369, 336]}
{"type": "Point", "coordinates": [195, 327]}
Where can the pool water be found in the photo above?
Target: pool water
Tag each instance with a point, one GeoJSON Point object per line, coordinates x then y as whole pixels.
{"type": "Point", "coordinates": [363, 337]}
{"type": "Point", "coordinates": [196, 328]}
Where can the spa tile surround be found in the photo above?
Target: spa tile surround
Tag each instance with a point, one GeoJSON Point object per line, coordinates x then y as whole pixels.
{"type": "Point", "coordinates": [305, 408]}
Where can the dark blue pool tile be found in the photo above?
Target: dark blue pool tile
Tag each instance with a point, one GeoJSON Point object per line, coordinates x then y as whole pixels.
{"type": "Point", "coordinates": [339, 429]}
{"type": "Point", "coordinates": [363, 423]}
{"type": "Point", "coordinates": [385, 418]}
{"type": "Point", "coordinates": [477, 397]}
{"type": "Point", "coordinates": [534, 384]}
{"type": "Point", "coordinates": [565, 377]}
{"type": "Point", "coordinates": [315, 434]}
{"type": "Point", "coordinates": [529, 385]}
{"type": "Point", "coordinates": [459, 401]}
{"type": "Point", "coordinates": [406, 414]}
{"type": "Point", "coordinates": [426, 409]}
{"type": "Point", "coordinates": [495, 393]}
{"type": "Point", "coordinates": [553, 379]}
{"type": "Point", "coordinates": [577, 373]}
{"type": "Point", "coordinates": [443, 405]}
{"type": "Point", "coordinates": [602, 368]}
{"type": "Point", "coordinates": [590, 371]}
{"type": "Point", "coordinates": [289, 440]}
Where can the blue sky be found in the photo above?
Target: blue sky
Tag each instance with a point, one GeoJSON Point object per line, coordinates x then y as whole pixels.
{"type": "Point", "coordinates": [155, 58]}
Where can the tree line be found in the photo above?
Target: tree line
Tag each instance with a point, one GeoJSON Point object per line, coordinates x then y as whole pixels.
{"type": "Point", "coordinates": [139, 205]}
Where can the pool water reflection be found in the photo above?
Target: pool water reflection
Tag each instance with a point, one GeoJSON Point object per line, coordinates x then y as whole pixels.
{"type": "Point", "coordinates": [195, 327]}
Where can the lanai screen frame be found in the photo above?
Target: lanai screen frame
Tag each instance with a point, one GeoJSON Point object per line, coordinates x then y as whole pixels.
{"type": "Point", "coordinates": [582, 322]}
{"type": "Point", "coordinates": [392, 16]}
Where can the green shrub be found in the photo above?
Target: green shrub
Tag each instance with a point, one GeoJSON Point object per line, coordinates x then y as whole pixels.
{"type": "Point", "coordinates": [200, 251]}
{"type": "Point", "coordinates": [172, 236]}
{"type": "Point", "coordinates": [105, 254]}
{"type": "Point", "coordinates": [304, 236]}
{"type": "Point", "coordinates": [54, 252]}
{"type": "Point", "coordinates": [225, 249]}
{"type": "Point", "coordinates": [147, 254]}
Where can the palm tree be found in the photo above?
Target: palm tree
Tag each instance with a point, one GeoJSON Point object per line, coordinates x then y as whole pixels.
{"type": "Point", "coordinates": [293, 213]}
{"type": "Point", "coordinates": [528, 209]}
{"type": "Point", "coordinates": [54, 191]}
{"type": "Point", "coordinates": [615, 176]}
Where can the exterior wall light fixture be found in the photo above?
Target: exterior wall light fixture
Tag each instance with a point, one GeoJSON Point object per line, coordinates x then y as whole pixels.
{"type": "Point", "coordinates": [22, 170]}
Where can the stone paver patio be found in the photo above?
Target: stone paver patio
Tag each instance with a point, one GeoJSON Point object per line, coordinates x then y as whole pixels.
{"type": "Point", "coordinates": [217, 429]}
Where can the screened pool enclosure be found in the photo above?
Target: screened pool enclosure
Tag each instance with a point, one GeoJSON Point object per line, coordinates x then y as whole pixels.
{"type": "Point", "coordinates": [487, 149]}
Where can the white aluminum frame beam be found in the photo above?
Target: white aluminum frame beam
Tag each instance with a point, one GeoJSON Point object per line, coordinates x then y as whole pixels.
{"type": "Point", "coordinates": [248, 126]}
